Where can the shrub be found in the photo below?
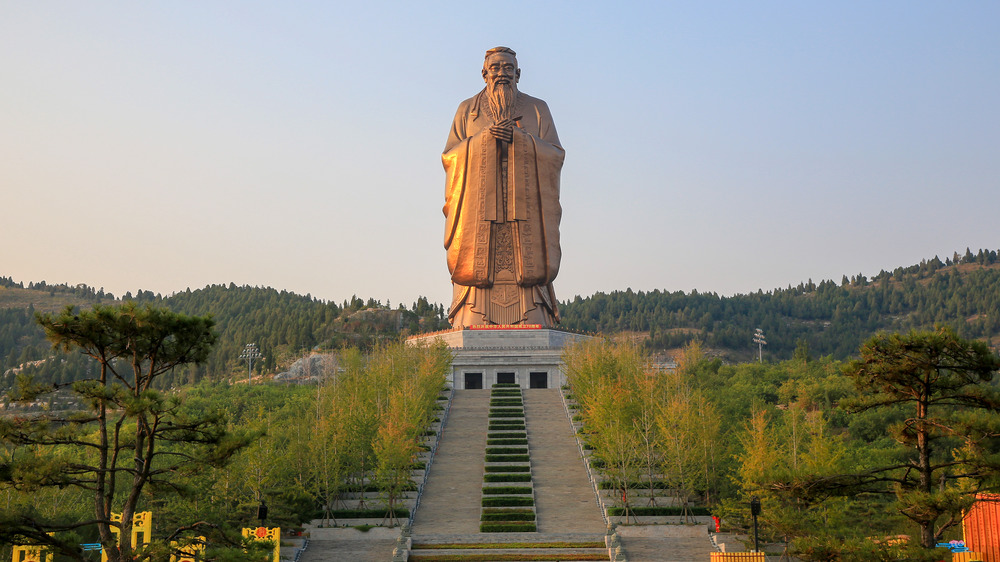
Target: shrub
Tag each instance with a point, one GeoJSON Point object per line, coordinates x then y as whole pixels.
{"type": "Point", "coordinates": [506, 441]}
{"type": "Point", "coordinates": [516, 435]}
{"type": "Point", "coordinates": [501, 490]}
{"type": "Point", "coordinates": [673, 510]}
{"type": "Point", "coordinates": [368, 513]}
{"type": "Point", "coordinates": [506, 385]}
{"type": "Point", "coordinates": [506, 422]}
{"type": "Point", "coordinates": [506, 414]}
{"type": "Point", "coordinates": [513, 527]}
{"type": "Point", "coordinates": [609, 485]}
{"type": "Point", "coordinates": [519, 477]}
{"type": "Point", "coordinates": [518, 468]}
{"type": "Point", "coordinates": [506, 402]}
{"type": "Point", "coordinates": [506, 450]}
{"type": "Point", "coordinates": [508, 516]}
{"type": "Point", "coordinates": [517, 426]}
{"type": "Point", "coordinates": [508, 501]}
{"type": "Point", "coordinates": [506, 458]}
{"type": "Point", "coordinates": [506, 510]}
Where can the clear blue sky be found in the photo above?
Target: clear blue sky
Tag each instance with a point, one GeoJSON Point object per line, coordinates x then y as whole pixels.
{"type": "Point", "coordinates": [717, 146]}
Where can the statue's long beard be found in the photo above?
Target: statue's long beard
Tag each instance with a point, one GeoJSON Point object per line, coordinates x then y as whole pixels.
{"type": "Point", "coordinates": [502, 97]}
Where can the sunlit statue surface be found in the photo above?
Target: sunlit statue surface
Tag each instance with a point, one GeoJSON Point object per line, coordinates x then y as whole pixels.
{"type": "Point", "coordinates": [502, 160]}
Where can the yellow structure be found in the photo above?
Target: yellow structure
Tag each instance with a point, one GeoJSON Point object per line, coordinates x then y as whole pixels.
{"type": "Point", "coordinates": [32, 553]}
{"type": "Point", "coordinates": [142, 529]}
{"type": "Point", "coordinates": [265, 534]}
{"type": "Point", "coordinates": [738, 557]}
{"type": "Point", "coordinates": [189, 552]}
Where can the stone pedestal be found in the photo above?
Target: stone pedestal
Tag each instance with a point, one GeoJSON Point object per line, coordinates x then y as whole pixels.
{"type": "Point", "coordinates": [529, 356]}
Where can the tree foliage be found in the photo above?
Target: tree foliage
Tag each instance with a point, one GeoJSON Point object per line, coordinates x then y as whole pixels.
{"type": "Point", "coordinates": [127, 436]}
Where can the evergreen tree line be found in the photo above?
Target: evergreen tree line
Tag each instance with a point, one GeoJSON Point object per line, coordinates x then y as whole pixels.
{"type": "Point", "coordinates": [832, 319]}
{"type": "Point", "coordinates": [282, 324]}
{"type": "Point", "coordinates": [962, 291]}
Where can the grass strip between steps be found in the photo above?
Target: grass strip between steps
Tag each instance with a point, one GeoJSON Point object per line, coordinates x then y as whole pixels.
{"type": "Point", "coordinates": [500, 545]}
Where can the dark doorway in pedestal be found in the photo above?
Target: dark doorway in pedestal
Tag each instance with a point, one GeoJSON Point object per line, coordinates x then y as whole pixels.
{"type": "Point", "coordinates": [538, 380]}
{"type": "Point", "coordinates": [505, 378]}
{"type": "Point", "coordinates": [473, 381]}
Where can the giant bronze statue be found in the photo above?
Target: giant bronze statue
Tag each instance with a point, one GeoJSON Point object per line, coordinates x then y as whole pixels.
{"type": "Point", "coordinates": [502, 211]}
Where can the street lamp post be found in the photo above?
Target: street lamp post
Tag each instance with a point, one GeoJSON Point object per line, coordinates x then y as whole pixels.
{"type": "Point", "coordinates": [755, 511]}
{"type": "Point", "coordinates": [250, 353]}
{"type": "Point", "coordinates": [758, 338]}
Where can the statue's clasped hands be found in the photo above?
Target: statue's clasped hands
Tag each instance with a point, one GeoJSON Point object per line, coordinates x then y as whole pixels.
{"type": "Point", "coordinates": [504, 130]}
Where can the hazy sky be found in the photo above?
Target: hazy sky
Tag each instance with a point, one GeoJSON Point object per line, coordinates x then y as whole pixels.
{"type": "Point", "coordinates": [717, 146]}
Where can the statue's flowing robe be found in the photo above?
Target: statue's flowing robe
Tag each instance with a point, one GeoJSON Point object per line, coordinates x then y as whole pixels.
{"type": "Point", "coordinates": [479, 196]}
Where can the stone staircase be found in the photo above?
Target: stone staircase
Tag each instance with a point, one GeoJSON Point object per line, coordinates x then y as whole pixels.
{"type": "Point", "coordinates": [570, 524]}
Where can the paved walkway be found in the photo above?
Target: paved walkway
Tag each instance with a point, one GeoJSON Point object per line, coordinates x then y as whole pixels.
{"type": "Point", "coordinates": [378, 550]}
{"type": "Point", "coordinates": [451, 500]}
{"type": "Point", "coordinates": [667, 549]}
{"type": "Point", "coordinates": [564, 497]}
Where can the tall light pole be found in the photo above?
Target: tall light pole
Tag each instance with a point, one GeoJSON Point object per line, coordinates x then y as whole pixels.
{"type": "Point", "coordinates": [755, 511]}
{"type": "Point", "coordinates": [250, 354]}
{"type": "Point", "coordinates": [758, 338]}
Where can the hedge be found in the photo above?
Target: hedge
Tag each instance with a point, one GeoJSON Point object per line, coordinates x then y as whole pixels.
{"type": "Point", "coordinates": [509, 501]}
{"type": "Point", "coordinates": [497, 414]}
{"type": "Point", "coordinates": [506, 510]}
{"type": "Point", "coordinates": [508, 435]}
{"type": "Point", "coordinates": [506, 422]}
{"type": "Point", "coordinates": [517, 527]}
{"type": "Point", "coordinates": [506, 392]}
{"type": "Point", "coordinates": [520, 468]}
{"type": "Point", "coordinates": [506, 442]}
{"type": "Point", "coordinates": [367, 513]}
{"type": "Point", "coordinates": [515, 426]}
{"type": "Point", "coordinates": [657, 485]}
{"type": "Point", "coordinates": [495, 477]}
{"type": "Point", "coordinates": [508, 516]}
{"type": "Point", "coordinates": [506, 458]}
{"type": "Point", "coordinates": [500, 490]}
{"type": "Point", "coordinates": [506, 385]}
{"type": "Point", "coordinates": [506, 402]}
{"type": "Point", "coordinates": [674, 510]}
{"type": "Point", "coordinates": [411, 486]}
{"type": "Point", "coordinates": [506, 450]}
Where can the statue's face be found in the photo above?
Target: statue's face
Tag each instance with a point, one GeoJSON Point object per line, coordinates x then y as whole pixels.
{"type": "Point", "coordinates": [501, 68]}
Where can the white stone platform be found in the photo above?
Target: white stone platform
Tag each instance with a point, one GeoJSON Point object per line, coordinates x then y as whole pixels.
{"type": "Point", "coordinates": [530, 356]}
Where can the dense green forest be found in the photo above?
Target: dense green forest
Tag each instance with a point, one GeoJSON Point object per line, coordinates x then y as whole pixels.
{"type": "Point", "coordinates": [283, 325]}
{"type": "Point", "coordinates": [829, 318]}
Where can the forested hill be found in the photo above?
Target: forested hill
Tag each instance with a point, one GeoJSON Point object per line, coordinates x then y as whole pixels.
{"type": "Point", "coordinates": [830, 318]}
{"type": "Point", "coordinates": [283, 324]}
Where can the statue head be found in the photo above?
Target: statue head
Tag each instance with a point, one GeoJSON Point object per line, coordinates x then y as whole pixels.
{"type": "Point", "coordinates": [500, 65]}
